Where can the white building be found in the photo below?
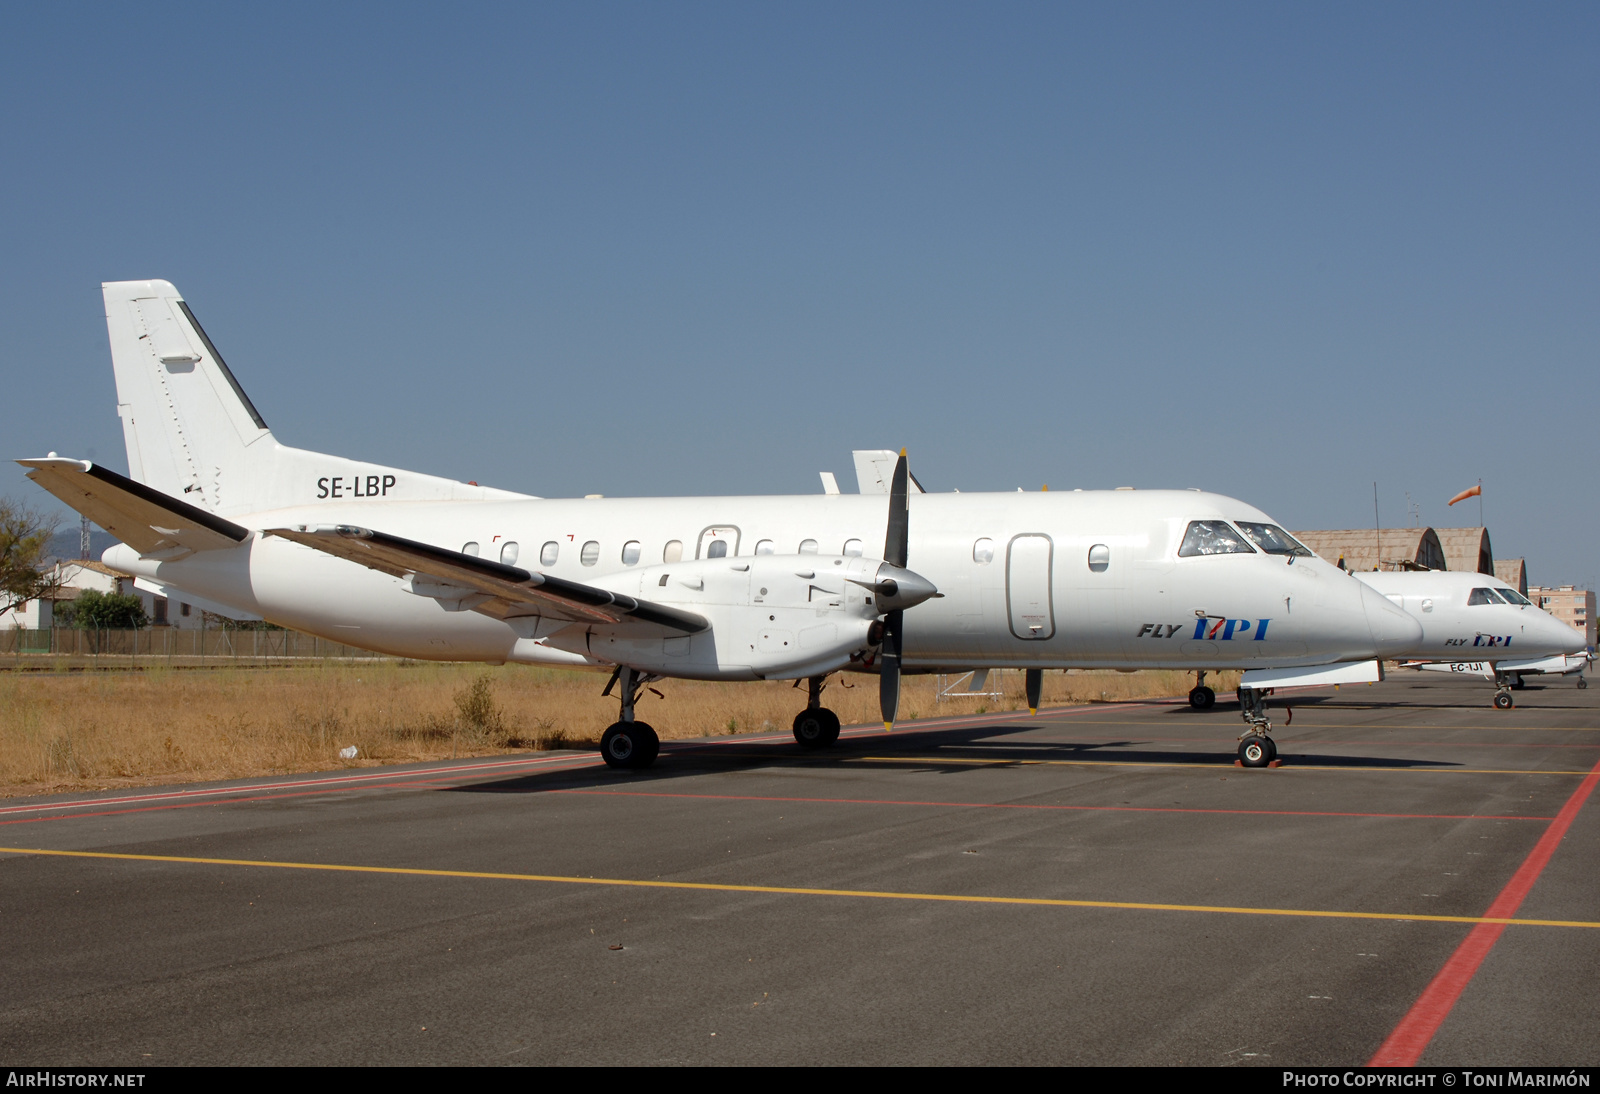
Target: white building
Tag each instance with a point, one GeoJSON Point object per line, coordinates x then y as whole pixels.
{"type": "Point", "coordinates": [81, 575]}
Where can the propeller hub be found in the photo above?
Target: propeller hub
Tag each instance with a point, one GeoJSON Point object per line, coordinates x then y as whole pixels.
{"type": "Point", "coordinates": [898, 588]}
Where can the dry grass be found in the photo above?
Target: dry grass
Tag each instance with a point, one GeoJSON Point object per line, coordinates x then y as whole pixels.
{"type": "Point", "coordinates": [91, 730]}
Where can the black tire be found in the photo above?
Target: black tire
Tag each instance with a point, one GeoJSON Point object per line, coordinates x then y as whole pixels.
{"type": "Point", "coordinates": [630, 745]}
{"type": "Point", "coordinates": [1582, 683]}
{"type": "Point", "coordinates": [817, 728]}
{"type": "Point", "coordinates": [1272, 747]}
{"type": "Point", "coordinates": [1256, 751]}
{"type": "Point", "coordinates": [1202, 698]}
{"type": "Point", "coordinates": [1503, 700]}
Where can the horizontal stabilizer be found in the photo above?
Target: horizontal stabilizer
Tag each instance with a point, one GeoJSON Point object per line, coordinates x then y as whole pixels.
{"type": "Point", "coordinates": [152, 523]}
{"type": "Point", "coordinates": [508, 591]}
{"type": "Point", "coordinates": [1317, 676]}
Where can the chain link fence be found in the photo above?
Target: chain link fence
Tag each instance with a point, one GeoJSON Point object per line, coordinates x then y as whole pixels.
{"type": "Point", "coordinates": [26, 648]}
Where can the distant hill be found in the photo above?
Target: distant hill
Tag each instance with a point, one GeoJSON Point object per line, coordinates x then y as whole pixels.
{"type": "Point", "coordinates": [65, 544]}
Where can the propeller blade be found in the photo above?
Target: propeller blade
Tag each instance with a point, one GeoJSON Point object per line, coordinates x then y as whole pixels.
{"type": "Point", "coordinates": [1035, 684]}
{"type": "Point", "coordinates": [889, 670]}
{"type": "Point", "coordinates": [894, 547]}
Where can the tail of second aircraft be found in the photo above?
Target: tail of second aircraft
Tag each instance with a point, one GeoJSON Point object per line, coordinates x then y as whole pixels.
{"type": "Point", "coordinates": [193, 433]}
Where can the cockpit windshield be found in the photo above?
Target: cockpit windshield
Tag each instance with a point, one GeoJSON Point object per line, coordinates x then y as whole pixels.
{"type": "Point", "coordinates": [1213, 537]}
{"type": "Point", "coordinates": [1274, 540]}
{"type": "Point", "coordinates": [1515, 597]}
{"type": "Point", "coordinates": [1483, 596]}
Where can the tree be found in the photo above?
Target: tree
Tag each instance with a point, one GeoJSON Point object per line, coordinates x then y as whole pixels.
{"type": "Point", "coordinates": [24, 538]}
{"type": "Point", "coordinates": [98, 611]}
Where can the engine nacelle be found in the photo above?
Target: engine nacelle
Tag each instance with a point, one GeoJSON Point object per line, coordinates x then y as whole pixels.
{"type": "Point", "coordinates": [772, 617]}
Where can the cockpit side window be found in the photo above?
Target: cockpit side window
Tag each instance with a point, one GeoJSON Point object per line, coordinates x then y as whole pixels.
{"type": "Point", "coordinates": [1483, 596]}
{"type": "Point", "coordinates": [1514, 597]}
{"type": "Point", "coordinates": [1213, 537]}
{"type": "Point", "coordinates": [1274, 540]}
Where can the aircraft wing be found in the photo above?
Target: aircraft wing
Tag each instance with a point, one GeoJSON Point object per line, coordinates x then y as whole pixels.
{"type": "Point", "coordinates": [152, 523]}
{"type": "Point", "coordinates": [490, 587]}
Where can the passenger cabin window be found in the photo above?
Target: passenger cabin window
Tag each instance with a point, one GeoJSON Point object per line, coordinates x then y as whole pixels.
{"type": "Point", "coordinates": [673, 551]}
{"type": "Point", "coordinates": [808, 546]}
{"type": "Point", "coordinates": [718, 548]}
{"type": "Point", "coordinates": [590, 553]}
{"type": "Point", "coordinates": [630, 553]}
{"type": "Point", "coordinates": [470, 548]}
{"type": "Point", "coordinates": [1483, 596]}
{"type": "Point", "coordinates": [983, 551]}
{"type": "Point", "coordinates": [1099, 558]}
{"type": "Point", "coordinates": [508, 553]}
{"type": "Point", "coordinates": [549, 553]}
{"type": "Point", "coordinates": [852, 547]}
{"type": "Point", "coordinates": [1274, 540]}
{"type": "Point", "coordinates": [1213, 537]}
{"type": "Point", "coordinates": [765, 547]}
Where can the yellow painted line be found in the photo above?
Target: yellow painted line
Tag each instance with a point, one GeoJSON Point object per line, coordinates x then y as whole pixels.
{"type": "Point", "coordinates": [913, 758]}
{"type": "Point", "coordinates": [792, 890]}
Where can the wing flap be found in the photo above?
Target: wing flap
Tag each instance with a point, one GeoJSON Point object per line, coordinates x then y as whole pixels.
{"type": "Point", "coordinates": [147, 520]}
{"type": "Point", "coordinates": [513, 591]}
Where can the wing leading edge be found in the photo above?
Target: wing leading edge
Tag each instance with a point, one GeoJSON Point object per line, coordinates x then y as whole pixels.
{"type": "Point", "coordinates": [484, 585]}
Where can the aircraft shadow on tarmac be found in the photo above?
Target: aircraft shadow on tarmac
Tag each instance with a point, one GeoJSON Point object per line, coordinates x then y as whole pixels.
{"type": "Point", "coordinates": [943, 751]}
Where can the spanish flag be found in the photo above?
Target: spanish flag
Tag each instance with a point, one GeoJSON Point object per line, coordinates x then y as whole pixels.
{"type": "Point", "coordinates": [1469, 492]}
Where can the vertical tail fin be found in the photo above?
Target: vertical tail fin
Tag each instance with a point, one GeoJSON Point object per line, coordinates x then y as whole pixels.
{"type": "Point", "coordinates": [193, 433]}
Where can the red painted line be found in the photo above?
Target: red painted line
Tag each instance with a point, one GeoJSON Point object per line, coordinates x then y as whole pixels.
{"type": "Point", "coordinates": [1405, 1045]}
{"type": "Point", "coordinates": [1012, 805]}
{"type": "Point", "coordinates": [388, 780]}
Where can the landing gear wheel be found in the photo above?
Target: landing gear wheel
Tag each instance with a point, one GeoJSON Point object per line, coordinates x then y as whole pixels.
{"type": "Point", "coordinates": [1503, 700]}
{"type": "Point", "coordinates": [1257, 751]}
{"type": "Point", "coordinates": [630, 745]}
{"type": "Point", "coordinates": [1202, 698]}
{"type": "Point", "coordinates": [1582, 683]}
{"type": "Point", "coordinates": [817, 727]}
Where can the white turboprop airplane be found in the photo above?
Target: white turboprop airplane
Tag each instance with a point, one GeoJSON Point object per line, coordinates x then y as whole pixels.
{"type": "Point", "coordinates": [730, 588]}
{"type": "Point", "coordinates": [1478, 625]}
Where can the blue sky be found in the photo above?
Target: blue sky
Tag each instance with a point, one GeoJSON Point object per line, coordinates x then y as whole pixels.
{"type": "Point", "coordinates": [1277, 251]}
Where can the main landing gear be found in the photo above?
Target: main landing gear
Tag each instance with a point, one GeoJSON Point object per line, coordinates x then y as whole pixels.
{"type": "Point", "coordinates": [816, 726]}
{"type": "Point", "coordinates": [1200, 696]}
{"type": "Point", "coordinates": [628, 743]}
{"type": "Point", "coordinates": [1256, 746]}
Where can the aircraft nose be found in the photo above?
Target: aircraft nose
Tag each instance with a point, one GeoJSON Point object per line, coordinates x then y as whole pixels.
{"type": "Point", "coordinates": [1393, 631]}
{"type": "Point", "coordinates": [1562, 637]}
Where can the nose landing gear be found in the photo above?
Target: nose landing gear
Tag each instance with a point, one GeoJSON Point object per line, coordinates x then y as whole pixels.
{"type": "Point", "coordinates": [1200, 696]}
{"type": "Point", "coordinates": [1504, 682]}
{"type": "Point", "coordinates": [816, 726]}
{"type": "Point", "coordinates": [1256, 746]}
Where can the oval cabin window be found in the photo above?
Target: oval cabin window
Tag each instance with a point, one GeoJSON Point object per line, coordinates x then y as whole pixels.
{"type": "Point", "coordinates": [508, 553]}
{"type": "Point", "coordinates": [673, 551]}
{"type": "Point", "coordinates": [470, 548]}
{"type": "Point", "coordinates": [765, 547]}
{"type": "Point", "coordinates": [808, 546]}
{"type": "Point", "coordinates": [1099, 557]}
{"type": "Point", "coordinates": [549, 553]}
{"type": "Point", "coordinates": [983, 551]}
{"type": "Point", "coordinates": [852, 547]}
{"type": "Point", "coordinates": [630, 553]}
{"type": "Point", "coordinates": [590, 553]}
{"type": "Point", "coordinates": [718, 549]}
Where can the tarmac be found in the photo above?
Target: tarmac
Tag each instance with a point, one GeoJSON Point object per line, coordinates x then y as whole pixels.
{"type": "Point", "coordinates": [1094, 885]}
